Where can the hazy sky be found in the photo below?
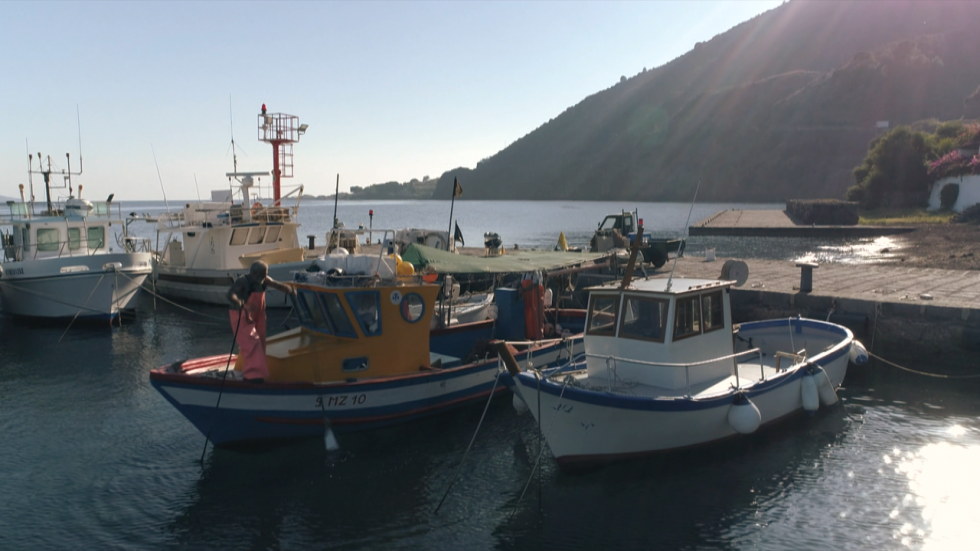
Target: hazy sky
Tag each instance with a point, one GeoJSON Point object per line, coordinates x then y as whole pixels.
{"type": "Point", "coordinates": [391, 90]}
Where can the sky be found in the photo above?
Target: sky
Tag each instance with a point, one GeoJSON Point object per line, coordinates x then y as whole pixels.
{"type": "Point", "coordinates": [390, 90]}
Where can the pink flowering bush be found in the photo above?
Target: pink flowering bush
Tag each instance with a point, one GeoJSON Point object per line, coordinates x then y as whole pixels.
{"type": "Point", "coordinates": [954, 164]}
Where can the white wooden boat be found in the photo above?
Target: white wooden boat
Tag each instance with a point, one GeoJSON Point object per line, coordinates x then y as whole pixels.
{"type": "Point", "coordinates": [666, 369]}
{"type": "Point", "coordinates": [65, 262]}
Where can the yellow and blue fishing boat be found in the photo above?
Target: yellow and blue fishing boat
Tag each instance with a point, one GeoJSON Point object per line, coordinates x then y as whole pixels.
{"type": "Point", "coordinates": [362, 357]}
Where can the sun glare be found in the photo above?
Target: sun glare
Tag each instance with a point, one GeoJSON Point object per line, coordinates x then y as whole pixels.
{"type": "Point", "coordinates": [944, 482]}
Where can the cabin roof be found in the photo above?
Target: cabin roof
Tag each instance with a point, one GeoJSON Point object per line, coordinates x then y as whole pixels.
{"type": "Point", "coordinates": [680, 285]}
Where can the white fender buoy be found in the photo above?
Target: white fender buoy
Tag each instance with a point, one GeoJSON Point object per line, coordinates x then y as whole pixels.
{"type": "Point", "coordinates": [808, 391]}
{"type": "Point", "coordinates": [858, 354]}
{"type": "Point", "coordinates": [825, 388]}
{"type": "Point", "coordinates": [743, 416]}
{"type": "Point", "coordinates": [519, 406]}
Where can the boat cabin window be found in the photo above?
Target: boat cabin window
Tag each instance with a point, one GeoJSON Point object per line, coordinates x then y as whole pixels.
{"type": "Point", "coordinates": [698, 314]}
{"type": "Point", "coordinates": [412, 307]}
{"type": "Point", "coordinates": [48, 240]}
{"type": "Point", "coordinates": [712, 311]}
{"type": "Point", "coordinates": [603, 310]}
{"type": "Point", "coordinates": [687, 318]}
{"type": "Point", "coordinates": [310, 313]}
{"type": "Point", "coordinates": [273, 234]}
{"type": "Point", "coordinates": [74, 239]}
{"type": "Point", "coordinates": [367, 309]}
{"type": "Point", "coordinates": [238, 236]}
{"type": "Point", "coordinates": [255, 236]}
{"type": "Point", "coordinates": [26, 238]}
{"type": "Point", "coordinates": [338, 318]}
{"type": "Point", "coordinates": [644, 318]}
{"type": "Point", "coordinates": [96, 237]}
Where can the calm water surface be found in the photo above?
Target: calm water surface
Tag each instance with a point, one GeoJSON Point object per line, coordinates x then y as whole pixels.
{"type": "Point", "coordinates": [92, 457]}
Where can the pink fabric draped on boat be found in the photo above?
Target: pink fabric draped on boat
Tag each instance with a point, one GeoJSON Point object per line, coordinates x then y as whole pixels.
{"type": "Point", "coordinates": [249, 324]}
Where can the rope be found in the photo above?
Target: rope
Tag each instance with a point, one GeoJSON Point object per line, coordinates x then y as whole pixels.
{"type": "Point", "coordinates": [172, 303]}
{"type": "Point", "coordinates": [221, 389]}
{"type": "Point", "coordinates": [94, 289]}
{"type": "Point", "coordinates": [923, 373]}
{"type": "Point", "coordinates": [468, 448]}
{"type": "Point", "coordinates": [49, 297]}
{"type": "Point", "coordinates": [537, 460]}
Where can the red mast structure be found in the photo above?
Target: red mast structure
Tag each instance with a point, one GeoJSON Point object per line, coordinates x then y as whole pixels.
{"type": "Point", "coordinates": [282, 131]}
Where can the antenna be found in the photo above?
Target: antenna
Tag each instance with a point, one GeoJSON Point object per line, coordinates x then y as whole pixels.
{"type": "Point", "coordinates": [78, 120]}
{"type": "Point", "coordinates": [165, 203]}
{"type": "Point", "coordinates": [30, 162]}
{"type": "Point", "coordinates": [234, 155]}
{"type": "Point", "coordinates": [683, 241]}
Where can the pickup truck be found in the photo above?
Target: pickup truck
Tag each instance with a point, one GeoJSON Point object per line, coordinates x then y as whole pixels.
{"type": "Point", "coordinates": [619, 231]}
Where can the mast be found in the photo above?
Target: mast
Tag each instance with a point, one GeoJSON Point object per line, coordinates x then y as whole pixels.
{"type": "Point", "coordinates": [282, 131]}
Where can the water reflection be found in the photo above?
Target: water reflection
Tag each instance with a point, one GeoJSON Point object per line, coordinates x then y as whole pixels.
{"type": "Point", "coordinates": [945, 492]}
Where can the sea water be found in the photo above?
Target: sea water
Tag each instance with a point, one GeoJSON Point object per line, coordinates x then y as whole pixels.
{"type": "Point", "coordinates": [91, 457]}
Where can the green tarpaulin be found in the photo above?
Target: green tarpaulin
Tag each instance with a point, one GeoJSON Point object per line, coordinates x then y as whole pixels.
{"type": "Point", "coordinates": [511, 261]}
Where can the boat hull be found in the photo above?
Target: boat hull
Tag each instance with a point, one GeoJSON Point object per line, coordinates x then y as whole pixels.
{"type": "Point", "coordinates": [589, 426]}
{"type": "Point", "coordinates": [251, 412]}
{"type": "Point", "coordinates": [211, 286]}
{"type": "Point", "coordinates": [86, 287]}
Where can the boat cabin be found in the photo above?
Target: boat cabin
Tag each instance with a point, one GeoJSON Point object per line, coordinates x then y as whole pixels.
{"type": "Point", "coordinates": [354, 333]}
{"type": "Point", "coordinates": [647, 332]}
{"type": "Point", "coordinates": [82, 228]}
{"type": "Point", "coordinates": [221, 233]}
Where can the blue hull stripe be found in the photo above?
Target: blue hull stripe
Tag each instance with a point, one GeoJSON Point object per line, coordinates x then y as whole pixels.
{"type": "Point", "coordinates": [620, 401]}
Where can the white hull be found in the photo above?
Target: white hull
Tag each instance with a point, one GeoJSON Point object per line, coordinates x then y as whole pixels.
{"type": "Point", "coordinates": [91, 286]}
{"type": "Point", "coordinates": [594, 424]}
{"type": "Point", "coordinates": [211, 286]}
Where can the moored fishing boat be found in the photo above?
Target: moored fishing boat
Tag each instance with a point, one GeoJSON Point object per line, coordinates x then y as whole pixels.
{"type": "Point", "coordinates": [664, 368]}
{"type": "Point", "coordinates": [362, 357]}
{"type": "Point", "coordinates": [206, 245]}
{"type": "Point", "coordinates": [62, 262]}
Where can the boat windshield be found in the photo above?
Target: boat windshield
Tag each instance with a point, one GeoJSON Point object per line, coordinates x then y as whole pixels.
{"type": "Point", "coordinates": [367, 309]}
{"type": "Point", "coordinates": [644, 318]}
{"type": "Point", "coordinates": [698, 314]}
{"type": "Point", "coordinates": [603, 311]}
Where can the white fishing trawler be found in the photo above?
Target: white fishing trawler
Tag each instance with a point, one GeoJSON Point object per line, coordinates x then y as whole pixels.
{"type": "Point", "coordinates": [71, 260]}
{"type": "Point", "coordinates": [205, 246]}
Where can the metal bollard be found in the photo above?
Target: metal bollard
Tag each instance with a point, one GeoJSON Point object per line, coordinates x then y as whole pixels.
{"type": "Point", "coordinates": [806, 275]}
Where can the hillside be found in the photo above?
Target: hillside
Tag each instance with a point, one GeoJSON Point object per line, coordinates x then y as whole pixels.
{"type": "Point", "coordinates": [781, 106]}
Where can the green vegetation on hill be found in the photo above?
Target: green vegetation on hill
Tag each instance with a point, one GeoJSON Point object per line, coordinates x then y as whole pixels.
{"type": "Point", "coordinates": [901, 165]}
{"type": "Point", "coordinates": [413, 189]}
{"type": "Point", "coordinates": [781, 106]}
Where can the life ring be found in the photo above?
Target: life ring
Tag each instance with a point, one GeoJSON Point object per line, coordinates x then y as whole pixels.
{"type": "Point", "coordinates": [256, 207]}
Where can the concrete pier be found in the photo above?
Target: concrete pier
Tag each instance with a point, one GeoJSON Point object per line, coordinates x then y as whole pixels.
{"type": "Point", "coordinates": [922, 316]}
{"type": "Point", "coordinates": [775, 223]}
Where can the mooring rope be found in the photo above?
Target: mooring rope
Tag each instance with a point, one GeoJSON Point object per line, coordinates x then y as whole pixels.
{"type": "Point", "coordinates": [923, 373]}
{"type": "Point", "coordinates": [94, 289]}
{"type": "Point", "coordinates": [473, 439]}
{"type": "Point", "coordinates": [537, 460]}
{"type": "Point", "coordinates": [172, 303]}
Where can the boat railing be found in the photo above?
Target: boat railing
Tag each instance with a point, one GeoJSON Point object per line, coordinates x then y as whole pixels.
{"type": "Point", "coordinates": [20, 211]}
{"type": "Point", "coordinates": [611, 362]}
{"type": "Point", "coordinates": [53, 249]}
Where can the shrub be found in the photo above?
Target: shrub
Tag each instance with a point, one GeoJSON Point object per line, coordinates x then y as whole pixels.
{"type": "Point", "coordinates": [969, 215]}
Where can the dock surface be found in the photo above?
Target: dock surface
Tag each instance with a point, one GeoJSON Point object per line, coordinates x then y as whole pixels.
{"type": "Point", "coordinates": [776, 223]}
{"type": "Point", "coordinates": [926, 287]}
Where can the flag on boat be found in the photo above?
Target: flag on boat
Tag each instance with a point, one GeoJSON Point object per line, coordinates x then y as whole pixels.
{"type": "Point", "coordinates": [458, 236]}
{"type": "Point", "coordinates": [457, 189]}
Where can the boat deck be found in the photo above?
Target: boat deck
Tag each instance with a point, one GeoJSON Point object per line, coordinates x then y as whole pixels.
{"type": "Point", "coordinates": [749, 373]}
